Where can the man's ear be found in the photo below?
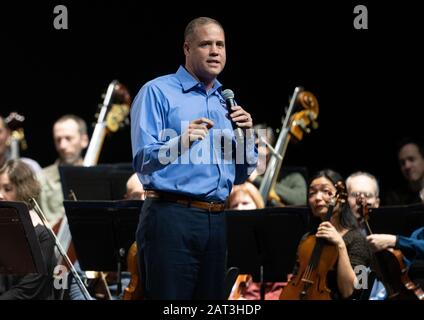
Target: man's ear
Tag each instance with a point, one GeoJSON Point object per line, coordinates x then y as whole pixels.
{"type": "Point", "coordinates": [186, 47]}
{"type": "Point", "coordinates": [84, 141]}
{"type": "Point", "coordinates": [377, 202]}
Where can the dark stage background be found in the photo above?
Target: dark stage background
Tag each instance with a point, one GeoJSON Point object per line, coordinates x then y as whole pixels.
{"type": "Point", "coordinates": [368, 82]}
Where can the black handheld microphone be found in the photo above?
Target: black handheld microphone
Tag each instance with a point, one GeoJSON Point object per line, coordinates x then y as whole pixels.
{"type": "Point", "coordinates": [228, 95]}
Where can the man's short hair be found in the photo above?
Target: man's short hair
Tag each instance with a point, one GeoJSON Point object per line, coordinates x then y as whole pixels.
{"type": "Point", "coordinates": [197, 22]}
{"type": "Point", "coordinates": [418, 141]}
{"type": "Point", "coordinates": [82, 126]}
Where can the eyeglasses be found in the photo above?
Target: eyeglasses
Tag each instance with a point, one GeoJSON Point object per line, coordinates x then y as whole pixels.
{"type": "Point", "coordinates": [356, 194]}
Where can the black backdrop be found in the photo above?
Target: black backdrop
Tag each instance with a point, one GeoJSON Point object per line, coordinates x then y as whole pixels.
{"type": "Point", "coordinates": [367, 81]}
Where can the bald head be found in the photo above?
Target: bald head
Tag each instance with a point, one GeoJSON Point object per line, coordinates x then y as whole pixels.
{"type": "Point", "coordinates": [362, 185]}
{"type": "Point", "coordinates": [135, 190]}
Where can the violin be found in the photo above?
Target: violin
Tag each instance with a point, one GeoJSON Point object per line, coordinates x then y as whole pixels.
{"type": "Point", "coordinates": [390, 266]}
{"type": "Point", "coordinates": [134, 291]}
{"type": "Point", "coordinates": [316, 258]}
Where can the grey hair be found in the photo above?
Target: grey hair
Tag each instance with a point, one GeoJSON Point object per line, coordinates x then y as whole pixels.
{"type": "Point", "coordinates": [366, 174]}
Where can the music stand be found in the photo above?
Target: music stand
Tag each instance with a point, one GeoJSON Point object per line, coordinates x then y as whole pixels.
{"type": "Point", "coordinates": [20, 251]}
{"type": "Point", "coordinates": [264, 242]}
{"type": "Point", "coordinates": [102, 232]}
{"type": "Point", "coordinates": [101, 182]}
{"type": "Point", "coordinates": [398, 220]}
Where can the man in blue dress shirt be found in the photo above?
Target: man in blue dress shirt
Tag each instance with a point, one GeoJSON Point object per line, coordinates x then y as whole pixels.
{"type": "Point", "coordinates": [187, 157]}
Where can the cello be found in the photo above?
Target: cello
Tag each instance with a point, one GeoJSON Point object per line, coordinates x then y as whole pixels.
{"type": "Point", "coordinates": [390, 266]}
{"type": "Point", "coordinates": [316, 258]}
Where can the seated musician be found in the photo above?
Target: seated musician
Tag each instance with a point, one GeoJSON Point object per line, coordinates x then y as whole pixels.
{"type": "Point", "coordinates": [290, 187]}
{"type": "Point", "coordinates": [342, 231]}
{"type": "Point", "coordinates": [135, 190]}
{"type": "Point", "coordinates": [247, 197]}
{"type": "Point", "coordinates": [410, 154]}
{"type": "Point", "coordinates": [364, 185]}
{"type": "Point", "coordinates": [411, 247]}
{"type": "Point", "coordinates": [18, 183]}
{"type": "Point", "coordinates": [70, 139]}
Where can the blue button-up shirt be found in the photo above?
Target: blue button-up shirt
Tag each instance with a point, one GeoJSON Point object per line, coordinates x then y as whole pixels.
{"type": "Point", "coordinates": [160, 113]}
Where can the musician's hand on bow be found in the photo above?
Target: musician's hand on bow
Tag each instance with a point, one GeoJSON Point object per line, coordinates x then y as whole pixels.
{"type": "Point", "coordinates": [381, 241]}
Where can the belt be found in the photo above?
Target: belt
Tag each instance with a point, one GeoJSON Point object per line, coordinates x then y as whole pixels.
{"type": "Point", "coordinates": [210, 206]}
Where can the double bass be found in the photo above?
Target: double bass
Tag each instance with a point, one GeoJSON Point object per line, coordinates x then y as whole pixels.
{"type": "Point", "coordinates": [113, 114]}
{"type": "Point", "coordinates": [295, 124]}
{"type": "Point", "coordinates": [390, 266]}
{"type": "Point", "coordinates": [316, 258]}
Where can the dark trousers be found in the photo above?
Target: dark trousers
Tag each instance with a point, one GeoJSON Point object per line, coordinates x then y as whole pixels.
{"type": "Point", "coordinates": [182, 251]}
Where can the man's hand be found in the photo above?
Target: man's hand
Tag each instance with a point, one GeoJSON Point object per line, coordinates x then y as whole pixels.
{"type": "Point", "coordinates": [381, 241]}
{"type": "Point", "coordinates": [241, 117]}
{"type": "Point", "coordinates": [197, 130]}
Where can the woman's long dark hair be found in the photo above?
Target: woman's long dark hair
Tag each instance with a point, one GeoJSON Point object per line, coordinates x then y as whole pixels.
{"type": "Point", "coordinates": [346, 218]}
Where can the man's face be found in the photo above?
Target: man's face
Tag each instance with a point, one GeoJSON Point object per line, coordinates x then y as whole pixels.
{"type": "Point", "coordinates": [411, 163]}
{"type": "Point", "coordinates": [205, 52]}
{"type": "Point", "coordinates": [365, 188]}
{"type": "Point", "coordinates": [68, 141]}
{"type": "Point", "coordinates": [4, 137]}
{"type": "Point", "coordinates": [263, 157]}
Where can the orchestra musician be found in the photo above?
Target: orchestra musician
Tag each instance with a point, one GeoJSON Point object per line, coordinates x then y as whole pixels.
{"type": "Point", "coordinates": [247, 197]}
{"type": "Point", "coordinates": [350, 248]}
{"type": "Point", "coordinates": [291, 187]}
{"type": "Point", "coordinates": [18, 183]}
{"type": "Point", "coordinates": [70, 139]}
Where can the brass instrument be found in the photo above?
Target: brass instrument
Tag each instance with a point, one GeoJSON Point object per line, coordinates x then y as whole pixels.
{"type": "Point", "coordinates": [293, 126]}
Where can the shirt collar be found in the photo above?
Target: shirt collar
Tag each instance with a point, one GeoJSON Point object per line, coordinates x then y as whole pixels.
{"type": "Point", "coordinates": [188, 82]}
